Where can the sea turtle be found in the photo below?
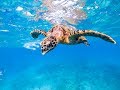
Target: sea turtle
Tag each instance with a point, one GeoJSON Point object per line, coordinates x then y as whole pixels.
{"type": "Point", "coordinates": [65, 35]}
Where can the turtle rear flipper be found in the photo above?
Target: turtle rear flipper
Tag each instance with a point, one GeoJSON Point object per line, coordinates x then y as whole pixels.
{"type": "Point", "coordinates": [83, 40]}
{"type": "Point", "coordinates": [48, 44]}
{"type": "Point", "coordinates": [36, 33]}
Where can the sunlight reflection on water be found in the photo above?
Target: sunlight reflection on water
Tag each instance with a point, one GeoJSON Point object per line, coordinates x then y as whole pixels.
{"type": "Point", "coordinates": [62, 11]}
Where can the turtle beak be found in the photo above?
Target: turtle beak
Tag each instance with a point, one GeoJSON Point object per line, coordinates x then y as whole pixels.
{"type": "Point", "coordinates": [43, 53]}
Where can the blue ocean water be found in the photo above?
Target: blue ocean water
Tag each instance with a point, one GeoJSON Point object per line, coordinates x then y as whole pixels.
{"type": "Point", "coordinates": [75, 67]}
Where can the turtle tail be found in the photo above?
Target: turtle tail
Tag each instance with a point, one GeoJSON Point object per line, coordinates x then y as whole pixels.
{"type": "Point", "coordinates": [36, 33]}
{"type": "Point", "coordinates": [94, 34]}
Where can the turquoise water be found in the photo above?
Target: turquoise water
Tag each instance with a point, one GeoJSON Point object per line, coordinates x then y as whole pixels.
{"type": "Point", "coordinates": [76, 67]}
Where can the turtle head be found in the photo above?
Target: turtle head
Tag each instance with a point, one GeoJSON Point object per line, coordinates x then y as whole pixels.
{"type": "Point", "coordinates": [48, 44]}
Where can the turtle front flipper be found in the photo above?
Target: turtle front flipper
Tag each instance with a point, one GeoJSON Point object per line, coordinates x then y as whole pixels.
{"type": "Point", "coordinates": [36, 33]}
{"type": "Point", "coordinates": [48, 44]}
{"type": "Point", "coordinates": [94, 34]}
